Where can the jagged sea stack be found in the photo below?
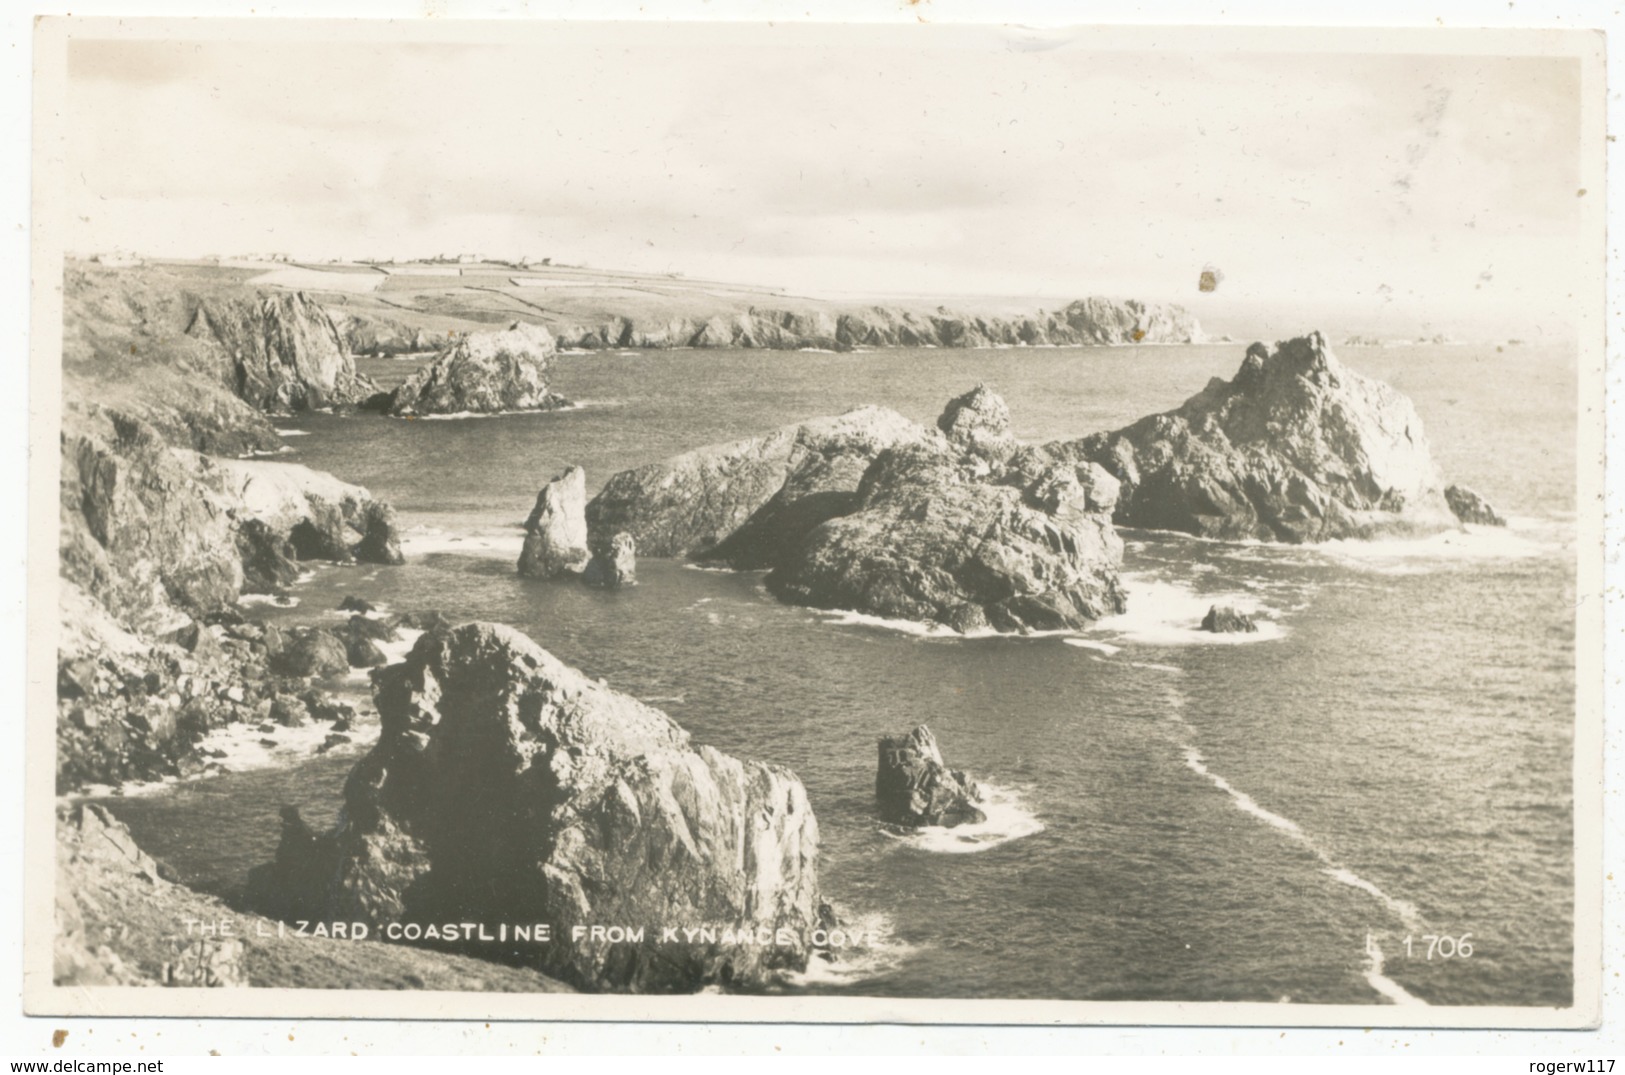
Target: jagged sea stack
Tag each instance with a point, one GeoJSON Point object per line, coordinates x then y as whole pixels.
{"type": "Point", "coordinates": [615, 565]}
{"type": "Point", "coordinates": [1296, 447]}
{"type": "Point", "coordinates": [508, 787]}
{"type": "Point", "coordinates": [914, 786]}
{"type": "Point", "coordinates": [556, 532]}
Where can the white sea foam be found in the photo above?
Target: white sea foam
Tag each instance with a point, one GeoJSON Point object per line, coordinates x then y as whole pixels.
{"type": "Point", "coordinates": [420, 541]}
{"type": "Point", "coordinates": [1244, 802]}
{"type": "Point", "coordinates": [1155, 667]}
{"type": "Point", "coordinates": [293, 432]}
{"type": "Point", "coordinates": [1164, 613]}
{"type": "Point", "coordinates": [854, 965]}
{"type": "Point", "coordinates": [279, 601]}
{"type": "Point", "coordinates": [1384, 985]}
{"type": "Point", "coordinates": [917, 628]}
{"type": "Point", "coordinates": [1089, 643]}
{"type": "Point", "coordinates": [1008, 818]}
{"type": "Point", "coordinates": [244, 748]}
{"type": "Point", "coordinates": [1521, 539]}
{"type": "Point", "coordinates": [456, 416]}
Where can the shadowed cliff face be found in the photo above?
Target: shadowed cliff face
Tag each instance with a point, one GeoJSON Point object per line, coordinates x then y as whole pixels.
{"type": "Point", "coordinates": [1296, 447]}
{"type": "Point", "coordinates": [715, 501]}
{"type": "Point", "coordinates": [508, 787]}
{"type": "Point", "coordinates": [284, 351]}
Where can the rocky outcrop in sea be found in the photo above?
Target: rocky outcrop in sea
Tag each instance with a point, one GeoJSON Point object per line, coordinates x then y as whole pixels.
{"type": "Point", "coordinates": [695, 502]}
{"type": "Point", "coordinates": [915, 787]}
{"type": "Point", "coordinates": [937, 535]}
{"type": "Point", "coordinates": [873, 513]}
{"type": "Point", "coordinates": [481, 373]}
{"type": "Point", "coordinates": [508, 787]}
{"type": "Point", "coordinates": [556, 532]}
{"type": "Point", "coordinates": [1296, 447]}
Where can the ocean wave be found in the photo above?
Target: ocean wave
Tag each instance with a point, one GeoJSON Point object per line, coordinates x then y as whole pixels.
{"type": "Point", "coordinates": [842, 967]}
{"type": "Point", "coordinates": [293, 432]}
{"type": "Point", "coordinates": [1521, 539]}
{"type": "Point", "coordinates": [1008, 818]}
{"type": "Point", "coordinates": [425, 540]}
{"type": "Point", "coordinates": [460, 415]}
{"type": "Point", "coordinates": [276, 600]}
{"type": "Point", "coordinates": [1089, 643]}
{"type": "Point", "coordinates": [1165, 613]}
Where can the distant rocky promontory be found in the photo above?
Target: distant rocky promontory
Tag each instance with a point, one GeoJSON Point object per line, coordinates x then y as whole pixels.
{"type": "Point", "coordinates": [1092, 321]}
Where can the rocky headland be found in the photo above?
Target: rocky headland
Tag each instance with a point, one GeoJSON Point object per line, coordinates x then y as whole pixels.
{"type": "Point", "coordinates": [1092, 321]}
{"type": "Point", "coordinates": [507, 786]}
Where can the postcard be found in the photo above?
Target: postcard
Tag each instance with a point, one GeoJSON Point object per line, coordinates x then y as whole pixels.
{"type": "Point", "coordinates": [816, 522]}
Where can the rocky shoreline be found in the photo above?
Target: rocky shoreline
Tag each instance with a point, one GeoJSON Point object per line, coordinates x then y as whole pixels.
{"type": "Point", "coordinates": [505, 785]}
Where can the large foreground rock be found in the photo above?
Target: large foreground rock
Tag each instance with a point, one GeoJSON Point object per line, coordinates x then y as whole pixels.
{"type": "Point", "coordinates": [695, 502]}
{"type": "Point", "coordinates": [483, 373]}
{"type": "Point", "coordinates": [1296, 447]}
{"type": "Point", "coordinates": [914, 786]}
{"type": "Point", "coordinates": [508, 787]}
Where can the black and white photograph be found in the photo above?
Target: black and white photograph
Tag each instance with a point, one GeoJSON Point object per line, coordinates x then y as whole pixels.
{"type": "Point", "coordinates": [816, 522]}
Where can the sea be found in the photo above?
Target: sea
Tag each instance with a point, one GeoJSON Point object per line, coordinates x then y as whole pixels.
{"type": "Point", "coordinates": [1370, 800]}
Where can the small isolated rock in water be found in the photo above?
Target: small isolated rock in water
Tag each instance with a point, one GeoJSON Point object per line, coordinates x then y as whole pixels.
{"type": "Point", "coordinates": [615, 566]}
{"type": "Point", "coordinates": [915, 787]}
{"type": "Point", "coordinates": [380, 537]}
{"type": "Point", "coordinates": [355, 604]}
{"type": "Point", "coordinates": [483, 373]}
{"type": "Point", "coordinates": [978, 422]}
{"type": "Point", "coordinates": [1469, 507]}
{"type": "Point", "coordinates": [1224, 620]}
{"type": "Point", "coordinates": [556, 532]}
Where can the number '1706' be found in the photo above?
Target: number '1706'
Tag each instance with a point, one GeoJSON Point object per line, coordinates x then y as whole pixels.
{"type": "Point", "coordinates": [1444, 947]}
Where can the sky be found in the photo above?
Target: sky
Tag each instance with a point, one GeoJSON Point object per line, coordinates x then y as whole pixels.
{"type": "Point", "coordinates": [1392, 192]}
